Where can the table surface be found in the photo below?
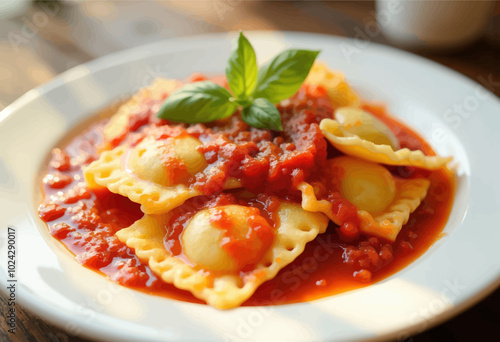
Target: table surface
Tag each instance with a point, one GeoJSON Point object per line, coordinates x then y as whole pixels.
{"type": "Point", "coordinates": [52, 37]}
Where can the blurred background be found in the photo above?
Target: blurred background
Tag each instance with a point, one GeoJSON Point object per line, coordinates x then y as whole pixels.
{"type": "Point", "coordinates": [42, 38]}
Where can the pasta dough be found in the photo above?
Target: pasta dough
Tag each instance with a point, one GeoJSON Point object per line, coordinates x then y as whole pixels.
{"type": "Point", "coordinates": [384, 202]}
{"type": "Point", "coordinates": [214, 278]}
{"type": "Point", "coordinates": [357, 122]}
{"type": "Point", "coordinates": [339, 91]}
{"type": "Point", "coordinates": [379, 148]}
{"type": "Point", "coordinates": [140, 173]}
{"type": "Point", "coordinates": [368, 186]}
{"type": "Point", "coordinates": [203, 240]}
{"type": "Point", "coordinates": [119, 122]}
{"type": "Point", "coordinates": [147, 160]}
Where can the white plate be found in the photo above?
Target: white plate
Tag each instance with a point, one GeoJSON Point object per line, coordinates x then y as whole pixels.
{"type": "Point", "coordinates": [457, 271]}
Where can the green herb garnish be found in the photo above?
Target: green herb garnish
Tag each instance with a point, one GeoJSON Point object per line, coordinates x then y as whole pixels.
{"type": "Point", "coordinates": [255, 91]}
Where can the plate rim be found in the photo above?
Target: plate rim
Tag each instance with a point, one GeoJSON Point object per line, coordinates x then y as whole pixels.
{"type": "Point", "coordinates": [104, 63]}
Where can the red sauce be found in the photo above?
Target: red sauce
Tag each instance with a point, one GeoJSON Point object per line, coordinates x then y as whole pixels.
{"type": "Point", "coordinates": [270, 164]}
{"type": "Point", "coordinates": [86, 221]}
{"type": "Point", "coordinates": [181, 215]}
{"type": "Point", "coordinates": [264, 161]}
{"type": "Point", "coordinates": [261, 159]}
{"type": "Point", "coordinates": [330, 266]}
{"type": "Point", "coordinates": [247, 249]}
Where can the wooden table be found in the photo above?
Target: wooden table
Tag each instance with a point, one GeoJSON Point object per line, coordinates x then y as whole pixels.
{"type": "Point", "coordinates": [51, 38]}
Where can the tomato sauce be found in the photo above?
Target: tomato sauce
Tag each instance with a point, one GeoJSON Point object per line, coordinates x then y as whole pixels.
{"type": "Point", "coordinates": [270, 164]}
{"type": "Point", "coordinates": [330, 266]}
{"type": "Point", "coordinates": [262, 217]}
{"type": "Point", "coordinates": [262, 160]}
{"type": "Point", "coordinates": [246, 248]}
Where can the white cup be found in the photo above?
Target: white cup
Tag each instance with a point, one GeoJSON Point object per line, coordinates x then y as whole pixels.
{"type": "Point", "coordinates": [443, 24]}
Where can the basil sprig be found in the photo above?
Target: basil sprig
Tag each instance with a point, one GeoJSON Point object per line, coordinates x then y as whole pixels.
{"type": "Point", "coordinates": [241, 70]}
{"type": "Point", "coordinates": [254, 90]}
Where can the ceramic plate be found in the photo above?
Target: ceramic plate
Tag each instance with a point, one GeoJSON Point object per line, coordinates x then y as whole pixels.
{"type": "Point", "coordinates": [456, 115]}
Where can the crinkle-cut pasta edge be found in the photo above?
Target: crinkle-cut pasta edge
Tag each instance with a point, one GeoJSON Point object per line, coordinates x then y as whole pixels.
{"type": "Point", "coordinates": [226, 291]}
{"type": "Point", "coordinates": [119, 121]}
{"type": "Point", "coordinates": [311, 203]}
{"type": "Point", "coordinates": [108, 172]}
{"type": "Point", "coordinates": [409, 195]}
{"type": "Point", "coordinates": [383, 154]}
{"type": "Point", "coordinates": [339, 91]}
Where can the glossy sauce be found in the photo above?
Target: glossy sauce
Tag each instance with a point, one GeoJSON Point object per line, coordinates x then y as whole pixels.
{"type": "Point", "coordinates": [246, 249]}
{"type": "Point", "coordinates": [337, 261]}
{"type": "Point", "coordinates": [263, 161]}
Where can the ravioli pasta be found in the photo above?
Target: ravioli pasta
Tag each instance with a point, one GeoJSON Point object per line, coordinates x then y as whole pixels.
{"type": "Point", "coordinates": [384, 202]}
{"type": "Point", "coordinates": [119, 122]}
{"type": "Point", "coordinates": [358, 134]}
{"type": "Point", "coordinates": [109, 172]}
{"type": "Point", "coordinates": [218, 208]}
{"type": "Point", "coordinates": [211, 276]}
{"type": "Point", "coordinates": [146, 160]}
{"type": "Point", "coordinates": [139, 173]}
{"type": "Point", "coordinates": [340, 93]}
{"type": "Point", "coordinates": [388, 223]}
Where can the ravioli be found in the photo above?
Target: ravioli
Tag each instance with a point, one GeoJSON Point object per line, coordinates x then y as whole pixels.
{"type": "Point", "coordinates": [227, 205]}
{"type": "Point", "coordinates": [154, 173]}
{"type": "Point", "coordinates": [204, 267]}
{"type": "Point", "coordinates": [340, 93]}
{"type": "Point", "coordinates": [120, 121]}
{"type": "Point", "coordinates": [359, 134]}
{"type": "Point", "coordinates": [384, 202]}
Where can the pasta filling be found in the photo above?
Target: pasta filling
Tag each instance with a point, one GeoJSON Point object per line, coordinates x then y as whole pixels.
{"type": "Point", "coordinates": [359, 134]}
{"type": "Point", "coordinates": [224, 206]}
{"type": "Point", "coordinates": [223, 252]}
{"type": "Point", "coordinates": [383, 202]}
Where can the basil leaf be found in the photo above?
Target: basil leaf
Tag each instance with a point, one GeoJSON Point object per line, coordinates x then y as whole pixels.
{"type": "Point", "coordinates": [262, 114]}
{"type": "Point", "coordinates": [198, 102]}
{"type": "Point", "coordinates": [282, 77]}
{"type": "Point", "coordinates": [241, 70]}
